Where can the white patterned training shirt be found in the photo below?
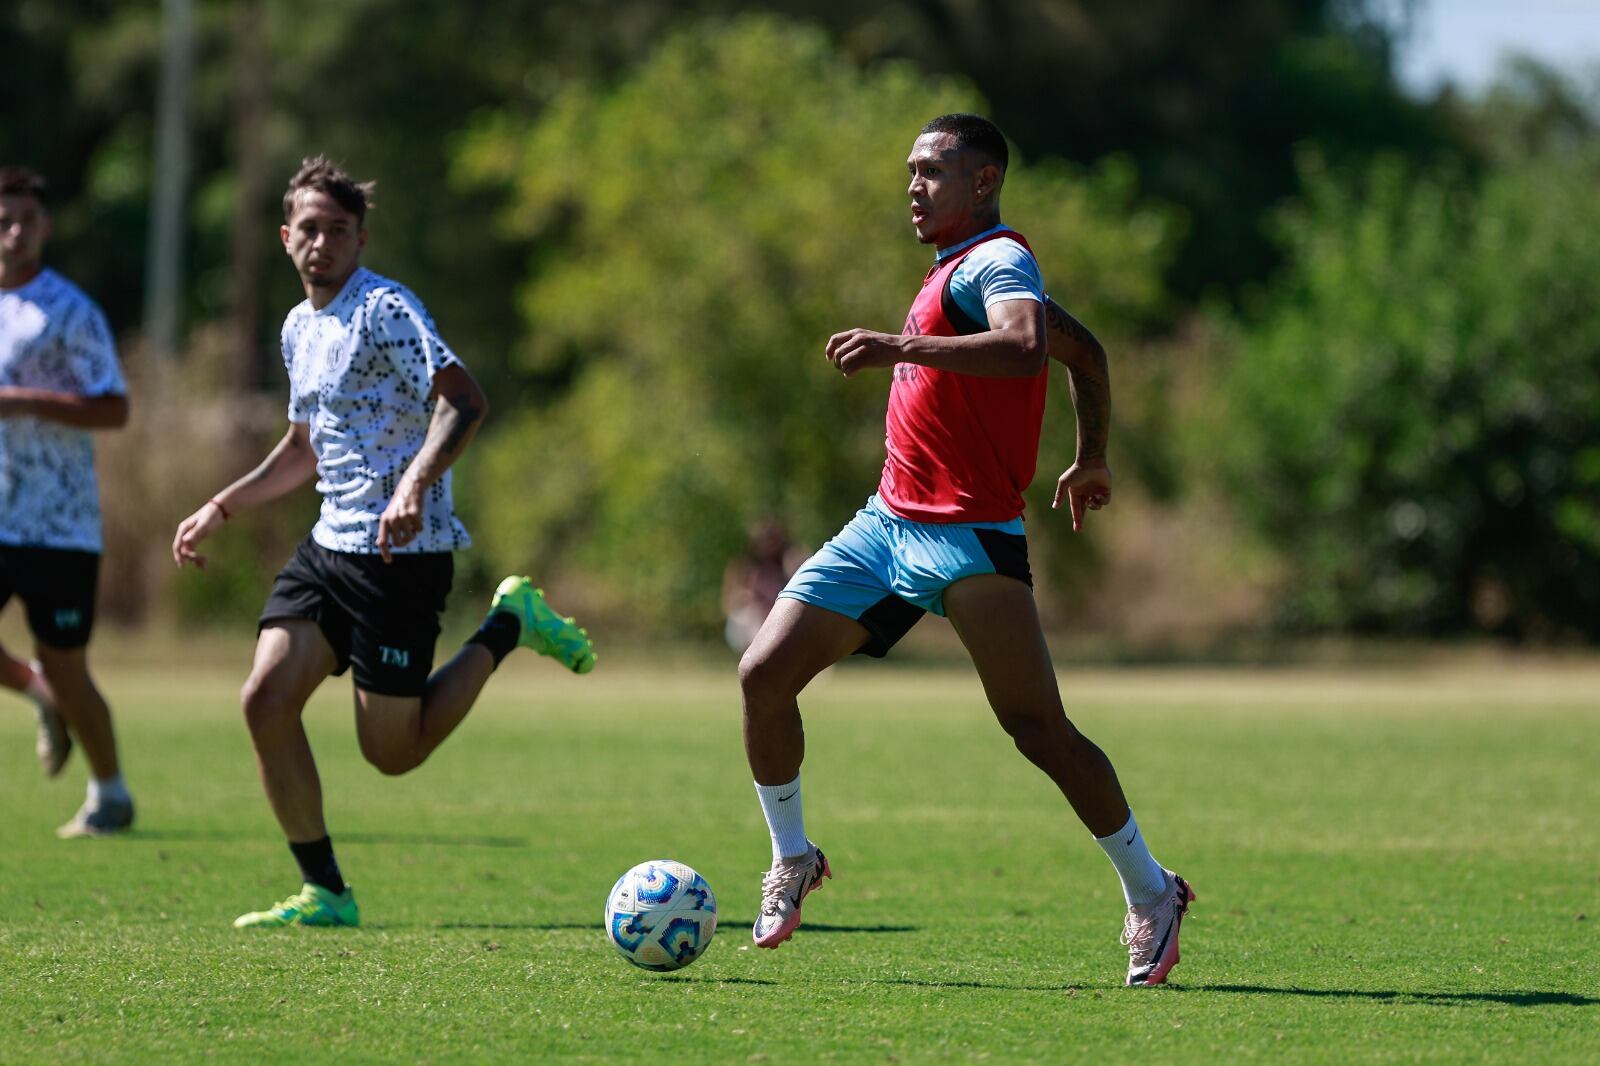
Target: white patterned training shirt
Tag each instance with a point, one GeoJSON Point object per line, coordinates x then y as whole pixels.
{"type": "Point", "coordinates": [52, 336]}
{"type": "Point", "coordinates": [360, 371]}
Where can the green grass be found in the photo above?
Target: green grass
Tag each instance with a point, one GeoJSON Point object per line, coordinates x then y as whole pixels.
{"type": "Point", "coordinates": [1390, 867]}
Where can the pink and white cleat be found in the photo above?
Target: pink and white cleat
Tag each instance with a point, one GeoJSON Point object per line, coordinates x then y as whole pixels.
{"type": "Point", "coordinates": [1151, 933]}
{"type": "Point", "coordinates": [784, 886]}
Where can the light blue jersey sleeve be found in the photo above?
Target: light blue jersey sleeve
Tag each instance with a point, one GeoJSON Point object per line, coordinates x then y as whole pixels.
{"type": "Point", "coordinates": [996, 271]}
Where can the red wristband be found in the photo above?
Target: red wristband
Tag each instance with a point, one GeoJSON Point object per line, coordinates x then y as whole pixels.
{"type": "Point", "coordinates": [218, 505]}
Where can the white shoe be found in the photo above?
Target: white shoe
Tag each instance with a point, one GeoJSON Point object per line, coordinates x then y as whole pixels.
{"type": "Point", "coordinates": [784, 886]}
{"type": "Point", "coordinates": [53, 743]}
{"type": "Point", "coordinates": [1151, 933]}
{"type": "Point", "coordinates": [98, 820]}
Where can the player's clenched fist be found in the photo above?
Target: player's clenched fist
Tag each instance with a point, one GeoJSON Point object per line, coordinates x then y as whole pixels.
{"type": "Point", "coordinates": [862, 349]}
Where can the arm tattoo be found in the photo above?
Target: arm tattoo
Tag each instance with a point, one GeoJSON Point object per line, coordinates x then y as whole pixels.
{"type": "Point", "coordinates": [462, 415]}
{"type": "Point", "coordinates": [1088, 378]}
{"type": "Point", "coordinates": [455, 419]}
{"type": "Point", "coordinates": [1058, 320]}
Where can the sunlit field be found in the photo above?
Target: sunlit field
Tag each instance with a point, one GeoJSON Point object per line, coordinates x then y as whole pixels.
{"type": "Point", "coordinates": [1398, 866]}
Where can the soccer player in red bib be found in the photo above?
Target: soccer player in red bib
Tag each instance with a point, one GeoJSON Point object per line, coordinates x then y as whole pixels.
{"type": "Point", "coordinates": [944, 532]}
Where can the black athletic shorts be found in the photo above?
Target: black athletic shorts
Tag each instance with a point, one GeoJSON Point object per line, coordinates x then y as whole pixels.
{"type": "Point", "coordinates": [57, 587]}
{"type": "Point", "coordinates": [382, 618]}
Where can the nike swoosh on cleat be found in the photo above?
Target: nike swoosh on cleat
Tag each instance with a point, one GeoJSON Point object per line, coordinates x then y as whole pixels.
{"type": "Point", "coordinates": [1155, 959]}
{"type": "Point", "coordinates": [790, 796]}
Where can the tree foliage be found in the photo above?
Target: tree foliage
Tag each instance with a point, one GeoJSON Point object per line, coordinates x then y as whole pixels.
{"type": "Point", "coordinates": [702, 229]}
{"type": "Point", "coordinates": [1412, 422]}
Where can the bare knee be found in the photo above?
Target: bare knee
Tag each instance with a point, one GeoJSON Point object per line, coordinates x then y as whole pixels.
{"type": "Point", "coordinates": [392, 764]}
{"type": "Point", "coordinates": [268, 707]}
{"type": "Point", "coordinates": [1042, 738]}
{"type": "Point", "coordinates": [389, 761]}
{"type": "Point", "coordinates": [765, 684]}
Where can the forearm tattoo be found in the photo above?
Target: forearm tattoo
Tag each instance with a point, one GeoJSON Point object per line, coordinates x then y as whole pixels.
{"type": "Point", "coordinates": [455, 418]}
{"type": "Point", "coordinates": [1088, 378]}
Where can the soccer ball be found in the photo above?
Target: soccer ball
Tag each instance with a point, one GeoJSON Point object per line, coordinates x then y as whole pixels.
{"type": "Point", "coordinates": [661, 915]}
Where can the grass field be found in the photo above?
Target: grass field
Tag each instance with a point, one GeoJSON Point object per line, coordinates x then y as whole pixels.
{"type": "Point", "coordinates": [1398, 866]}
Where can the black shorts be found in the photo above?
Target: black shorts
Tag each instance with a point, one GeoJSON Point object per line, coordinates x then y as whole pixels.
{"type": "Point", "coordinates": [57, 586]}
{"type": "Point", "coordinates": [382, 618]}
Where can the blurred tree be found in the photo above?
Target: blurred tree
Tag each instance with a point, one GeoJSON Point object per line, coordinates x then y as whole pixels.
{"type": "Point", "coordinates": [1412, 421]}
{"type": "Point", "coordinates": [1208, 109]}
{"type": "Point", "coordinates": [1532, 109]}
{"type": "Point", "coordinates": [77, 93]}
{"type": "Point", "coordinates": [1209, 101]}
{"type": "Point", "coordinates": [701, 230]}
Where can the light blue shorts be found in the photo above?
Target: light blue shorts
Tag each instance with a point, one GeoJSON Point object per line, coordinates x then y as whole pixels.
{"type": "Point", "coordinates": [885, 571]}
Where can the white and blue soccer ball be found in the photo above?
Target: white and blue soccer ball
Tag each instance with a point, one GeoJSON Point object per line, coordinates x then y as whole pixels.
{"type": "Point", "coordinates": [661, 915]}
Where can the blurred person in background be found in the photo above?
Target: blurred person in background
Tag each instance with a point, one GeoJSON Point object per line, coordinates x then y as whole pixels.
{"type": "Point", "coordinates": [59, 381]}
{"type": "Point", "coordinates": [379, 410]}
{"type": "Point", "coordinates": [752, 581]}
{"type": "Point", "coordinates": [944, 532]}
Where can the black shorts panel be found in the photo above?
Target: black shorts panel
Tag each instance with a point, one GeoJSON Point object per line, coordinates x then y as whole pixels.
{"type": "Point", "coordinates": [57, 587]}
{"type": "Point", "coordinates": [887, 621]}
{"type": "Point", "coordinates": [380, 618]}
{"type": "Point", "coordinates": [1008, 552]}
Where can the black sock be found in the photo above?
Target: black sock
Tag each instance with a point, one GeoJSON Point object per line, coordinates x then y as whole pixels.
{"type": "Point", "coordinates": [317, 864]}
{"type": "Point", "coordinates": [499, 633]}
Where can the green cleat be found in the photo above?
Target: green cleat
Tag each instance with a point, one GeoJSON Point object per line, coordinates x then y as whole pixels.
{"type": "Point", "coordinates": [542, 629]}
{"type": "Point", "coordinates": [312, 905]}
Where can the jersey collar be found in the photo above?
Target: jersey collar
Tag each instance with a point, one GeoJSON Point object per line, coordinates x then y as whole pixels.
{"type": "Point", "coordinates": [352, 284]}
{"type": "Point", "coordinates": [945, 253]}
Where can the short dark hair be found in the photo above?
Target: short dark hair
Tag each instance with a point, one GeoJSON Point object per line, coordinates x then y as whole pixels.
{"type": "Point", "coordinates": [974, 132]}
{"type": "Point", "coordinates": [20, 181]}
{"type": "Point", "coordinates": [321, 174]}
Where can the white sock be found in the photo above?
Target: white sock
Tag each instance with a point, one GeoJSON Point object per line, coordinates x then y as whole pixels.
{"type": "Point", "coordinates": [1143, 879]}
{"type": "Point", "coordinates": [781, 805]}
{"type": "Point", "coordinates": [112, 788]}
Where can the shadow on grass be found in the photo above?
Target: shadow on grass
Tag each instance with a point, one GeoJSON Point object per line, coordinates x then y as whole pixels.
{"type": "Point", "coordinates": [1510, 999]}
{"type": "Point", "coordinates": [682, 980]}
{"type": "Point", "coordinates": [824, 927]}
{"type": "Point", "coordinates": [808, 927]}
{"type": "Point", "coordinates": [404, 839]}
{"type": "Point", "coordinates": [995, 986]}
{"type": "Point", "coordinates": [597, 926]}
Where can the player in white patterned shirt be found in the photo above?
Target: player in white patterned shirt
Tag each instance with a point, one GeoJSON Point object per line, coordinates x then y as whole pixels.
{"type": "Point", "coordinates": [379, 408]}
{"type": "Point", "coordinates": [59, 380]}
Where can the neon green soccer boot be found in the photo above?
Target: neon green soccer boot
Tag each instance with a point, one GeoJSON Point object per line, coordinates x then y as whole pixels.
{"type": "Point", "coordinates": [543, 630]}
{"type": "Point", "coordinates": [312, 905]}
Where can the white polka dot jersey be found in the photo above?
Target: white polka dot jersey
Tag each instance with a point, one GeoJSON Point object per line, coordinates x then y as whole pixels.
{"type": "Point", "coordinates": [360, 371]}
{"type": "Point", "coordinates": [54, 337]}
